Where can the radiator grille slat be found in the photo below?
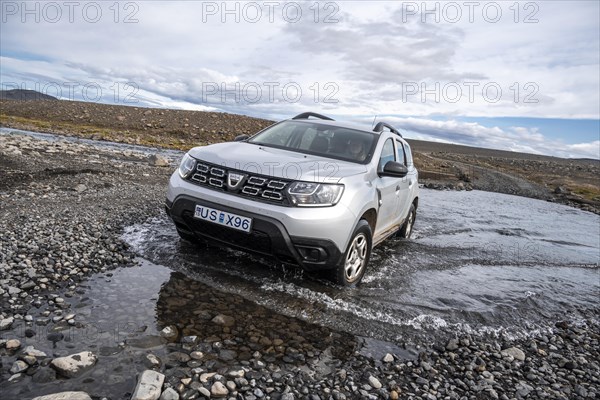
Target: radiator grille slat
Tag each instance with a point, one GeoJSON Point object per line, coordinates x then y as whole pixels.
{"type": "Point", "coordinates": [260, 187]}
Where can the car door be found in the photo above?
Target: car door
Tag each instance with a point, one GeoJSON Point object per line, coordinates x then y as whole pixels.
{"type": "Point", "coordinates": [387, 193]}
{"type": "Point", "coordinates": [404, 184]}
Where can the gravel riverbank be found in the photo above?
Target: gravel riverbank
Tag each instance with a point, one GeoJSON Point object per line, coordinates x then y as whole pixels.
{"type": "Point", "coordinates": [63, 209]}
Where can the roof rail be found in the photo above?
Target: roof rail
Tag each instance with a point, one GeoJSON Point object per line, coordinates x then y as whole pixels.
{"type": "Point", "coordinates": [306, 115]}
{"type": "Point", "coordinates": [380, 125]}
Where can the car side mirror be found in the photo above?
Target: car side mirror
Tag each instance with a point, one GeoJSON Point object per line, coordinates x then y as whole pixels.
{"type": "Point", "coordinates": [394, 169]}
{"type": "Point", "coordinates": [241, 138]}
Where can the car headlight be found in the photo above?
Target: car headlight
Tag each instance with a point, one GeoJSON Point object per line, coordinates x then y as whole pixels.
{"type": "Point", "coordinates": [309, 194]}
{"type": "Point", "coordinates": [187, 165]}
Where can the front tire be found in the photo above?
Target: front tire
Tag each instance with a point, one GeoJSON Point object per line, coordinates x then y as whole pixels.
{"type": "Point", "coordinates": [354, 263]}
{"type": "Point", "coordinates": [407, 228]}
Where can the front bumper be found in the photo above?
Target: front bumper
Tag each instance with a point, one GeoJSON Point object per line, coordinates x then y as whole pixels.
{"type": "Point", "coordinates": [268, 236]}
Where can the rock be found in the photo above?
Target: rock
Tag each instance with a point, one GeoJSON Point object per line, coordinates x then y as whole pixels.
{"type": "Point", "coordinates": [561, 190]}
{"type": "Point", "coordinates": [204, 392]}
{"type": "Point", "coordinates": [452, 344]}
{"type": "Point", "coordinates": [197, 355]}
{"type": "Point", "coordinates": [6, 323]}
{"type": "Point", "coordinates": [79, 188]}
{"type": "Point", "coordinates": [394, 395]}
{"type": "Point", "coordinates": [218, 390]}
{"type": "Point", "coordinates": [149, 386]}
{"type": "Point", "coordinates": [18, 367]}
{"type": "Point", "coordinates": [514, 352]}
{"type": "Point", "coordinates": [13, 344]}
{"type": "Point", "coordinates": [388, 358]}
{"type": "Point", "coordinates": [44, 375]}
{"type": "Point", "coordinates": [120, 118]}
{"type": "Point", "coordinates": [374, 382]}
{"type": "Point", "coordinates": [153, 360]}
{"type": "Point", "coordinates": [223, 320]}
{"type": "Point", "coordinates": [158, 160]}
{"type": "Point", "coordinates": [65, 396]}
{"type": "Point", "coordinates": [169, 394]}
{"type": "Point", "coordinates": [74, 364]}
{"type": "Point", "coordinates": [169, 332]}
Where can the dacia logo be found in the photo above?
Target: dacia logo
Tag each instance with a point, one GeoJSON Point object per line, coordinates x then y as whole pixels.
{"type": "Point", "coordinates": [234, 179]}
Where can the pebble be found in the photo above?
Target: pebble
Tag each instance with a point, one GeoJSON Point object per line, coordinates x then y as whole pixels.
{"type": "Point", "coordinates": [149, 386]}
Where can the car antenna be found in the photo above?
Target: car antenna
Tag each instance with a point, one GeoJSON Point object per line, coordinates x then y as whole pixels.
{"type": "Point", "coordinates": [374, 119]}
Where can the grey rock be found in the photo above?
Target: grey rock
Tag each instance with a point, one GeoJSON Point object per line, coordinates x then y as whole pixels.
{"type": "Point", "coordinates": [6, 323]}
{"type": "Point", "coordinates": [18, 367]}
{"type": "Point", "coordinates": [374, 382]}
{"type": "Point", "coordinates": [388, 358]}
{"type": "Point", "coordinates": [223, 320]}
{"type": "Point", "coordinates": [218, 390]}
{"type": "Point", "coordinates": [158, 161]}
{"type": "Point", "coordinates": [149, 386]}
{"type": "Point", "coordinates": [74, 364]}
{"type": "Point", "coordinates": [514, 352]}
{"type": "Point", "coordinates": [169, 394]}
{"type": "Point", "coordinates": [65, 396]}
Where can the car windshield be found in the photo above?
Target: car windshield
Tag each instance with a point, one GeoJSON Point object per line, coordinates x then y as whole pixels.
{"type": "Point", "coordinates": [319, 139]}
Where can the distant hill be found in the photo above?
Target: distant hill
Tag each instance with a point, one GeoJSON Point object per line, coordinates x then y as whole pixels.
{"type": "Point", "coordinates": [20, 94]}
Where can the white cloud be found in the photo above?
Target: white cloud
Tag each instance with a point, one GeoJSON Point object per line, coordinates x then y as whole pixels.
{"type": "Point", "coordinates": [371, 59]}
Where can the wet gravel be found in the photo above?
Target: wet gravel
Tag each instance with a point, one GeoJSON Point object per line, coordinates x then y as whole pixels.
{"type": "Point", "coordinates": [65, 271]}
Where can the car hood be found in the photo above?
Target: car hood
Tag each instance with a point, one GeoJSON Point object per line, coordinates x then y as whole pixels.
{"type": "Point", "coordinates": [277, 162]}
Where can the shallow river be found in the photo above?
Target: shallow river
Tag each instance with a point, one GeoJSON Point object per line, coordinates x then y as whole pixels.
{"type": "Point", "coordinates": [478, 262]}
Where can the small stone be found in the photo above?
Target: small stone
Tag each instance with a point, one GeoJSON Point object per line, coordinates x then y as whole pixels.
{"type": "Point", "coordinates": [223, 320]}
{"type": "Point", "coordinates": [149, 386]}
{"type": "Point", "coordinates": [6, 323]}
{"type": "Point", "coordinates": [218, 390]}
{"type": "Point", "coordinates": [153, 360]}
{"type": "Point", "coordinates": [197, 355]}
{"type": "Point", "coordinates": [158, 160]}
{"type": "Point", "coordinates": [204, 392]}
{"type": "Point", "coordinates": [13, 344]}
{"type": "Point", "coordinates": [31, 351]}
{"type": "Point", "coordinates": [374, 382]}
{"type": "Point", "coordinates": [65, 396]}
{"type": "Point", "coordinates": [514, 352]}
{"type": "Point", "coordinates": [18, 367]}
{"type": "Point", "coordinates": [388, 358]}
{"type": "Point", "coordinates": [394, 395]}
{"type": "Point", "coordinates": [452, 344]}
{"type": "Point", "coordinates": [169, 394]}
{"type": "Point", "coordinates": [169, 332]}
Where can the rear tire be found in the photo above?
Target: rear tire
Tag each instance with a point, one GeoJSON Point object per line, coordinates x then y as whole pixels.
{"type": "Point", "coordinates": [353, 264]}
{"type": "Point", "coordinates": [407, 228]}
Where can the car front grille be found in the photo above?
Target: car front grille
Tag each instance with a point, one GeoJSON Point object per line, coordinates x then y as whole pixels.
{"type": "Point", "coordinates": [241, 183]}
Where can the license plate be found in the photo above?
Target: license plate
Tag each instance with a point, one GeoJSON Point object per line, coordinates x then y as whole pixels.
{"type": "Point", "coordinates": [229, 220]}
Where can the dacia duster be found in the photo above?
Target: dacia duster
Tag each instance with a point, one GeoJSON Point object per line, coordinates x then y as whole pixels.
{"type": "Point", "coordinates": [307, 191]}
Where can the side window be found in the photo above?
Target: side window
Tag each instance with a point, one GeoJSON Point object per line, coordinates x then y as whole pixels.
{"type": "Point", "coordinates": [400, 158]}
{"type": "Point", "coordinates": [387, 153]}
{"type": "Point", "coordinates": [409, 158]}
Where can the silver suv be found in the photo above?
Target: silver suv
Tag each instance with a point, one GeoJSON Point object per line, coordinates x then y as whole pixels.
{"type": "Point", "coordinates": [307, 191]}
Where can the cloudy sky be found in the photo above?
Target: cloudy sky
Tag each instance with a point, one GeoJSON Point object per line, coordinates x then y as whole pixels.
{"type": "Point", "coordinates": [521, 76]}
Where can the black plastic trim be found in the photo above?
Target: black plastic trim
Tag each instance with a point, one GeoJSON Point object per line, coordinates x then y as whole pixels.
{"type": "Point", "coordinates": [309, 114]}
{"type": "Point", "coordinates": [380, 125]}
{"type": "Point", "coordinates": [268, 236]}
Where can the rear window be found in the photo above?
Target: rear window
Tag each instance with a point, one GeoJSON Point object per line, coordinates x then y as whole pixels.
{"type": "Point", "coordinates": [319, 139]}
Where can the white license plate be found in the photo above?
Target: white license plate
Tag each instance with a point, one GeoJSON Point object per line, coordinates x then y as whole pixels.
{"type": "Point", "coordinates": [223, 218]}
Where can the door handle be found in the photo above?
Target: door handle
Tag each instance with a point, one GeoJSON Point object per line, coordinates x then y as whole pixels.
{"type": "Point", "coordinates": [410, 183]}
{"type": "Point", "coordinates": [398, 188]}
